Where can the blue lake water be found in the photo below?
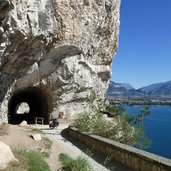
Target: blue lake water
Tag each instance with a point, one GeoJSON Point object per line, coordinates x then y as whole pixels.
{"type": "Point", "coordinates": [157, 127]}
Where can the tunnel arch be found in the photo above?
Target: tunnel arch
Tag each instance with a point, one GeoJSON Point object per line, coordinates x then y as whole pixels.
{"type": "Point", "coordinates": [38, 103]}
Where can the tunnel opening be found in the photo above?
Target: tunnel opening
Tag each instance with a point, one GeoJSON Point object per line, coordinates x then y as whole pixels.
{"type": "Point", "coordinates": [35, 100]}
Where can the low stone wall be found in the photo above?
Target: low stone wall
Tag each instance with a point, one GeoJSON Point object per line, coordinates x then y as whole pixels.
{"type": "Point", "coordinates": [128, 156]}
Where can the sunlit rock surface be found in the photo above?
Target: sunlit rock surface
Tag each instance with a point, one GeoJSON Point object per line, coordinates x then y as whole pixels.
{"type": "Point", "coordinates": [63, 47]}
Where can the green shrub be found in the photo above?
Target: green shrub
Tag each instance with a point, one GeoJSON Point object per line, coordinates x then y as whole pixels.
{"type": "Point", "coordinates": [69, 164]}
{"type": "Point", "coordinates": [120, 128]}
{"type": "Point", "coordinates": [32, 160]}
{"type": "Point", "coordinates": [145, 111]}
{"type": "Point", "coordinates": [83, 122]}
{"type": "Point", "coordinates": [115, 110]}
{"type": "Point", "coordinates": [97, 125]}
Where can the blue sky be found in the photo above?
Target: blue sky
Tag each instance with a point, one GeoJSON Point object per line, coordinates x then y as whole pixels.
{"type": "Point", "coordinates": [144, 54]}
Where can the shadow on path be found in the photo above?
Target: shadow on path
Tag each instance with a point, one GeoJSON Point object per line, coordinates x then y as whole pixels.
{"type": "Point", "coordinates": [98, 157]}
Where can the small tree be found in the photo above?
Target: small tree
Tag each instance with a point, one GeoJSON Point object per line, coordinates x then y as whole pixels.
{"type": "Point", "coordinates": [145, 111]}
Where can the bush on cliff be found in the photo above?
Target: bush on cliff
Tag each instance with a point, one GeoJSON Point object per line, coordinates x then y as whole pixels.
{"type": "Point", "coordinates": [121, 127]}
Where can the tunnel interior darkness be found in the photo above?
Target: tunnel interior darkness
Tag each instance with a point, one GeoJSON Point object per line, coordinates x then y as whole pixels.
{"type": "Point", "coordinates": [37, 102]}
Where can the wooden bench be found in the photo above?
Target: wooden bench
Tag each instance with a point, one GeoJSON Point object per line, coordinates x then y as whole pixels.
{"type": "Point", "coordinates": [39, 120]}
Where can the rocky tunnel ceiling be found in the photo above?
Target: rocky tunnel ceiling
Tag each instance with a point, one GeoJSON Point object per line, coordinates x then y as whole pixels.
{"type": "Point", "coordinates": [37, 102]}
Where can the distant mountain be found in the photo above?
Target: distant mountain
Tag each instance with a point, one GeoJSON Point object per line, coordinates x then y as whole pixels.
{"type": "Point", "coordinates": [122, 90]}
{"type": "Point", "coordinates": [125, 90]}
{"type": "Point", "coordinates": [163, 91]}
{"type": "Point", "coordinates": [154, 87]}
{"type": "Point", "coordinates": [127, 86]}
{"type": "Point", "coordinates": [159, 89]}
{"type": "Point", "coordinates": [116, 89]}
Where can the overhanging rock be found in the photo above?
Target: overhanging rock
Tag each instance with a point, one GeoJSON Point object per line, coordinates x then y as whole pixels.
{"type": "Point", "coordinates": [62, 48]}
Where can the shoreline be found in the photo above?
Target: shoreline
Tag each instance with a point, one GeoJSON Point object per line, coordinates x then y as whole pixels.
{"type": "Point", "coordinates": [139, 103]}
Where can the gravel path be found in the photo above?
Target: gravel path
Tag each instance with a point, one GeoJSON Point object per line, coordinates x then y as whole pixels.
{"type": "Point", "coordinates": [61, 145]}
{"type": "Point", "coordinates": [64, 145]}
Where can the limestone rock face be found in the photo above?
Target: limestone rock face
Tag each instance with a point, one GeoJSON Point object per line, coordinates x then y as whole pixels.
{"type": "Point", "coordinates": [6, 156]}
{"type": "Point", "coordinates": [63, 47]}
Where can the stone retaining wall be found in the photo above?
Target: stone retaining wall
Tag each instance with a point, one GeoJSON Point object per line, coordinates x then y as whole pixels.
{"type": "Point", "coordinates": [128, 156]}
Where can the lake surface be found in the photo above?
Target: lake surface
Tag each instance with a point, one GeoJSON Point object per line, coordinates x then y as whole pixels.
{"type": "Point", "coordinates": [157, 127]}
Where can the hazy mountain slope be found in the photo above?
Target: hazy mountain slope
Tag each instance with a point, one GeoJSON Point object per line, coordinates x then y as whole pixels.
{"type": "Point", "coordinates": [116, 89]}
{"type": "Point", "coordinates": [164, 90]}
{"type": "Point", "coordinates": [127, 86]}
{"type": "Point", "coordinates": [126, 90]}
{"type": "Point", "coordinates": [154, 87]}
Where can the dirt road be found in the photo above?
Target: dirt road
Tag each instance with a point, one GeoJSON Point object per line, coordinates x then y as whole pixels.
{"type": "Point", "coordinates": [62, 145]}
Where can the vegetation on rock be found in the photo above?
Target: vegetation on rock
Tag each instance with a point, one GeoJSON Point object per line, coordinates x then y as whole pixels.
{"type": "Point", "coordinates": [122, 127]}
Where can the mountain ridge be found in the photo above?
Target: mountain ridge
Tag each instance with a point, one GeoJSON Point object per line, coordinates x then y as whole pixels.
{"type": "Point", "coordinates": [154, 86]}
{"type": "Point", "coordinates": [162, 89]}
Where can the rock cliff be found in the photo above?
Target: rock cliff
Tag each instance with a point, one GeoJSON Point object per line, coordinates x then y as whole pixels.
{"type": "Point", "coordinates": [53, 53]}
